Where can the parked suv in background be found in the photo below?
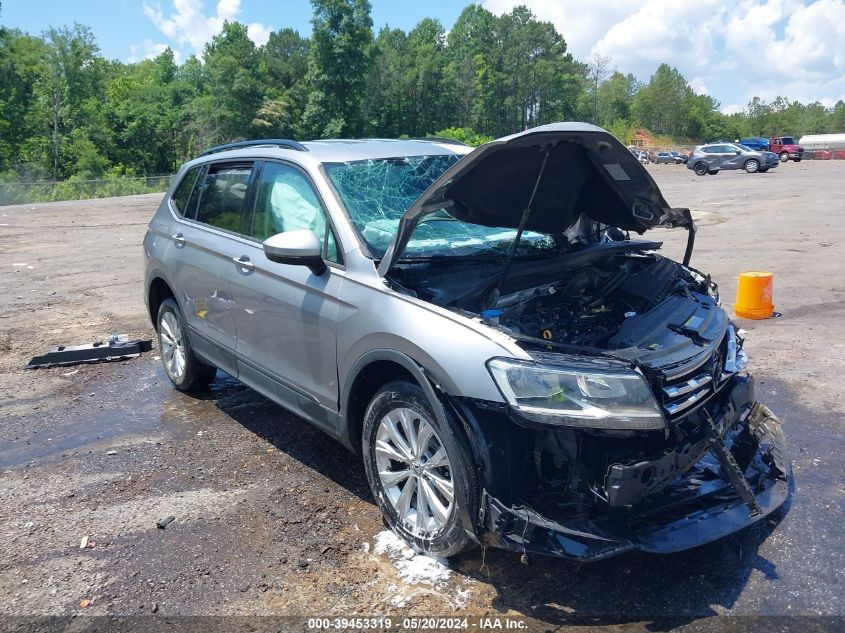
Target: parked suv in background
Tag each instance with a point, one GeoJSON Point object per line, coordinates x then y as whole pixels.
{"type": "Point", "coordinates": [709, 159]}
{"type": "Point", "coordinates": [513, 369]}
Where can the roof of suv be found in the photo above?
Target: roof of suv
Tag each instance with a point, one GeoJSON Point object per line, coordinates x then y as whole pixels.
{"type": "Point", "coordinates": [344, 150]}
{"type": "Point", "coordinates": [359, 149]}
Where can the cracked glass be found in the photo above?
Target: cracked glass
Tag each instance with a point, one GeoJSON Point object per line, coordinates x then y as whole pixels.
{"type": "Point", "coordinates": [378, 192]}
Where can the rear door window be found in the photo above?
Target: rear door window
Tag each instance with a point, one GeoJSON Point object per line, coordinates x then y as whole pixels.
{"type": "Point", "coordinates": [181, 197]}
{"type": "Point", "coordinates": [223, 195]}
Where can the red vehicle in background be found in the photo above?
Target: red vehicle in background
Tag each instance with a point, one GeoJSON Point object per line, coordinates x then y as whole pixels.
{"type": "Point", "coordinates": [786, 147]}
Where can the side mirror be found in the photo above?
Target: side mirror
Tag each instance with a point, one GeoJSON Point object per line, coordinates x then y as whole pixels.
{"type": "Point", "coordinates": [296, 248]}
{"type": "Point", "coordinates": [738, 152]}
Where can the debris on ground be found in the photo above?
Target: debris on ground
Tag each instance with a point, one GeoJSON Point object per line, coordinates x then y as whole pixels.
{"type": "Point", "coordinates": [83, 542]}
{"type": "Point", "coordinates": [163, 523]}
{"type": "Point", "coordinates": [114, 349]}
{"type": "Point", "coordinates": [84, 604]}
{"type": "Point", "coordinates": [413, 568]}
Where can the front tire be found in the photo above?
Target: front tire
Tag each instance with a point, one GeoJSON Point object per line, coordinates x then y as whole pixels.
{"type": "Point", "coordinates": [752, 166]}
{"type": "Point", "coordinates": [784, 157]}
{"type": "Point", "coordinates": [419, 471]}
{"type": "Point", "coordinates": [185, 370]}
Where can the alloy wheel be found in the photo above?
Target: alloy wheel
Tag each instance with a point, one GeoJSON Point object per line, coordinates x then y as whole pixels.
{"type": "Point", "coordinates": [172, 345]}
{"type": "Point", "coordinates": [414, 470]}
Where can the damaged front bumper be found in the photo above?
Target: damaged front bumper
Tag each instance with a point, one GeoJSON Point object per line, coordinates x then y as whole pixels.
{"type": "Point", "coordinates": [731, 477]}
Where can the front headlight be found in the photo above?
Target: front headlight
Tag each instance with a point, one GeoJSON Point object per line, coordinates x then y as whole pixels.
{"type": "Point", "coordinates": [577, 397]}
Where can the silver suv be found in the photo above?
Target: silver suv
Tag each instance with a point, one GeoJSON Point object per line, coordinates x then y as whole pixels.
{"type": "Point", "coordinates": [710, 159]}
{"type": "Point", "coordinates": [514, 369]}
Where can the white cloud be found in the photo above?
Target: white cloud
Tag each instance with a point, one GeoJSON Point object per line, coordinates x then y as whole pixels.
{"type": "Point", "coordinates": [698, 86]}
{"type": "Point", "coordinates": [259, 33]}
{"type": "Point", "coordinates": [582, 22]}
{"type": "Point", "coordinates": [188, 25]}
{"type": "Point", "coordinates": [149, 50]}
{"type": "Point", "coordinates": [737, 50]}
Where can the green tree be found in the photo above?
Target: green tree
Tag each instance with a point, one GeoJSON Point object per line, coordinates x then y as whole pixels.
{"type": "Point", "coordinates": [233, 86]}
{"type": "Point", "coordinates": [427, 62]}
{"type": "Point", "coordinates": [21, 57]}
{"type": "Point", "coordinates": [67, 77]}
{"type": "Point", "coordinates": [615, 97]}
{"type": "Point", "coordinates": [471, 38]}
{"type": "Point", "coordinates": [836, 121]}
{"type": "Point", "coordinates": [386, 109]}
{"type": "Point", "coordinates": [341, 41]}
{"type": "Point", "coordinates": [661, 104]}
{"type": "Point", "coordinates": [285, 57]}
{"type": "Point", "coordinates": [145, 110]}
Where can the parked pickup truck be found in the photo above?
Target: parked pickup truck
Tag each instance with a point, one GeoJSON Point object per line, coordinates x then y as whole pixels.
{"type": "Point", "coordinates": [786, 147]}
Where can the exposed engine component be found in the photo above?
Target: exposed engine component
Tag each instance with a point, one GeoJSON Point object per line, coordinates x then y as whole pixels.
{"type": "Point", "coordinates": [589, 307]}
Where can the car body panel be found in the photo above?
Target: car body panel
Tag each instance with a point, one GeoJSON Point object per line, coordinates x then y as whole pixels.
{"type": "Point", "coordinates": [202, 269]}
{"type": "Point", "coordinates": [287, 320]}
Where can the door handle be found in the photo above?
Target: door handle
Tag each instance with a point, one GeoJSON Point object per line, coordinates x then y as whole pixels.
{"type": "Point", "coordinates": [179, 239]}
{"type": "Point", "coordinates": [243, 263]}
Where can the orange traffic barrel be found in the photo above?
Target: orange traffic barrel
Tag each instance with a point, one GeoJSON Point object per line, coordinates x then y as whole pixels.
{"type": "Point", "coordinates": [754, 295]}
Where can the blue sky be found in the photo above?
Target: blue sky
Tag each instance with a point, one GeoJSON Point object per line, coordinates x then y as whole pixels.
{"type": "Point", "coordinates": [732, 51]}
{"type": "Point", "coordinates": [120, 24]}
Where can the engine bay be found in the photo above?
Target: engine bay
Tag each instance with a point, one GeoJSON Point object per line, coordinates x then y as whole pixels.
{"type": "Point", "coordinates": [616, 297]}
{"type": "Point", "coordinates": [588, 306]}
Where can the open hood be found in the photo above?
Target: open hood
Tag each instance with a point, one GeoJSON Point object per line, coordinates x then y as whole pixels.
{"type": "Point", "coordinates": [585, 171]}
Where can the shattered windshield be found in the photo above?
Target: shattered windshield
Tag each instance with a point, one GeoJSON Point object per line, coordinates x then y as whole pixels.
{"type": "Point", "coordinates": [378, 192]}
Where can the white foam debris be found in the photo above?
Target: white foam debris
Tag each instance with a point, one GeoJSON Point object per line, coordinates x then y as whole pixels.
{"type": "Point", "coordinates": [366, 547]}
{"type": "Point", "coordinates": [413, 568]}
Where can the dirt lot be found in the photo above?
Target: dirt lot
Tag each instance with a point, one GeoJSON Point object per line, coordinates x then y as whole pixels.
{"type": "Point", "coordinates": [272, 518]}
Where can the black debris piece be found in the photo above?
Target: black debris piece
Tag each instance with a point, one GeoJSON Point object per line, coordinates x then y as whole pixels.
{"type": "Point", "coordinates": [112, 350]}
{"type": "Point", "coordinates": [163, 523]}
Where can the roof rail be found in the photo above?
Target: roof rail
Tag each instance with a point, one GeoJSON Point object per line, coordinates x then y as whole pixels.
{"type": "Point", "coordinates": [265, 142]}
{"type": "Point", "coordinates": [439, 139]}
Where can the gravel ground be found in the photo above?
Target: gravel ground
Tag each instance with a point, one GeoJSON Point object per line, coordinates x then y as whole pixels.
{"type": "Point", "coordinates": [272, 518]}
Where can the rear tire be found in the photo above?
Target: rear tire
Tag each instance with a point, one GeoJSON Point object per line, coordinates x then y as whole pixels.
{"type": "Point", "coordinates": [185, 370]}
{"type": "Point", "coordinates": [420, 473]}
{"type": "Point", "coordinates": [700, 169]}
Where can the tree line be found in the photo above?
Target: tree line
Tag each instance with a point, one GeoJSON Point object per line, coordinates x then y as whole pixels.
{"type": "Point", "coordinates": [67, 112]}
